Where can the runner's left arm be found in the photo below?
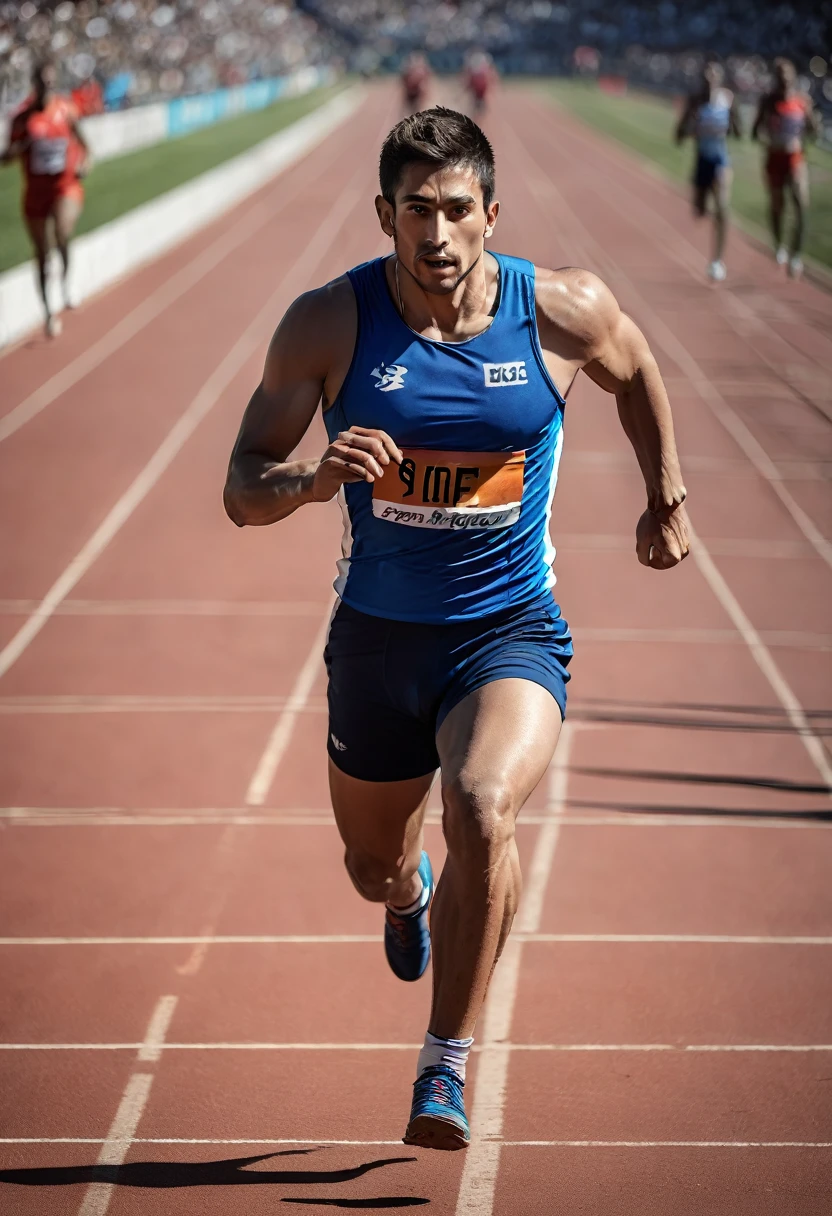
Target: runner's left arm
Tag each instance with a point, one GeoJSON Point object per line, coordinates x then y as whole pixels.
{"type": "Point", "coordinates": [78, 135]}
{"type": "Point", "coordinates": [593, 334]}
{"type": "Point", "coordinates": [814, 127]}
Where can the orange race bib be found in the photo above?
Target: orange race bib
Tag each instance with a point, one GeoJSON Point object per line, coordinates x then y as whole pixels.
{"type": "Point", "coordinates": [454, 490]}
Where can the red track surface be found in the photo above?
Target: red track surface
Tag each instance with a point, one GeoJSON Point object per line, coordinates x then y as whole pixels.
{"type": "Point", "coordinates": [136, 718]}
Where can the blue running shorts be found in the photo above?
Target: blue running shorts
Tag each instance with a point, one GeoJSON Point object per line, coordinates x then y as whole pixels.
{"type": "Point", "coordinates": [707, 168]}
{"type": "Point", "coordinates": [392, 683]}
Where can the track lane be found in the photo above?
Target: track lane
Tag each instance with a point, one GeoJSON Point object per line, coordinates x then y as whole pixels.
{"type": "Point", "coordinates": [609, 879]}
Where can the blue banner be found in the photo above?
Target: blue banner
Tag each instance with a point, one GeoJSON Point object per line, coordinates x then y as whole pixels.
{"type": "Point", "coordinates": [190, 113]}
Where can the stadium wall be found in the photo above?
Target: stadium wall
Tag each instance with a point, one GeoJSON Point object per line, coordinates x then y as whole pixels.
{"type": "Point", "coordinates": [108, 253]}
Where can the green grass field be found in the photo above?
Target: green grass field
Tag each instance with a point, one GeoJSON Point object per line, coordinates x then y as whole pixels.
{"type": "Point", "coordinates": [646, 125]}
{"type": "Point", "coordinates": [116, 186]}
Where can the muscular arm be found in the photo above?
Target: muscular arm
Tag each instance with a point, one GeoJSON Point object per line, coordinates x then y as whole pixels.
{"type": "Point", "coordinates": [307, 360]}
{"type": "Point", "coordinates": [587, 327]}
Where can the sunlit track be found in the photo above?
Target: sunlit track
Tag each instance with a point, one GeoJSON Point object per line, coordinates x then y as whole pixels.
{"type": "Point", "coordinates": [184, 963]}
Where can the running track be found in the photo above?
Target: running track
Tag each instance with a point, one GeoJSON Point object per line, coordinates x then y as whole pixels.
{"type": "Point", "coordinates": [189, 981]}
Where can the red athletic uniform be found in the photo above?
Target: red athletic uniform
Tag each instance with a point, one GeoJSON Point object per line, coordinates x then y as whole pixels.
{"type": "Point", "coordinates": [786, 120]}
{"type": "Point", "coordinates": [415, 81]}
{"type": "Point", "coordinates": [479, 82]}
{"type": "Point", "coordinates": [51, 155]}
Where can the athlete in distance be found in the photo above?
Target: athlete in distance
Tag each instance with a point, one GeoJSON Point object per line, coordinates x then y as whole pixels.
{"type": "Point", "coordinates": [785, 116]}
{"type": "Point", "coordinates": [442, 370]}
{"type": "Point", "coordinates": [710, 116]}
{"type": "Point", "coordinates": [45, 136]}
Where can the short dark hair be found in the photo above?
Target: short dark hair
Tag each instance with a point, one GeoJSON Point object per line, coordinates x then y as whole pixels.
{"type": "Point", "coordinates": [438, 137]}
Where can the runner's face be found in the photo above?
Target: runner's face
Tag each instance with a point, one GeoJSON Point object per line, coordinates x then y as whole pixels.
{"type": "Point", "coordinates": [439, 224]}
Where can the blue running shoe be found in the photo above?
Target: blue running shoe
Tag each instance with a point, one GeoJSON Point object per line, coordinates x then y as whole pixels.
{"type": "Point", "coordinates": [407, 938]}
{"type": "Point", "coordinates": [437, 1117]}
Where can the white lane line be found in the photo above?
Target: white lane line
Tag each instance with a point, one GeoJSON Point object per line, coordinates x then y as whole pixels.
{"type": "Point", "coordinates": [295, 278]}
{"type": "Point", "coordinates": [82, 607]}
{"type": "Point", "coordinates": [397, 1143]}
{"type": "Point", "coordinates": [124, 704]}
{"type": "Point", "coordinates": [352, 939]}
{"type": "Point", "coordinates": [118, 1141]}
{"type": "Point", "coordinates": [248, 223]}
{"type": "Point", "coordinates": [150, 1049]}
{"type": "Point", "coordinates": [667, 1144]}
{"type": "Point", "coordinates": [266, 939]}
{"type": "Point", "coordinates": [39, 817]}
{"type": "Point", "coordinates": [746, 321]}
{"type": "Point", "coordinates": [762, 657]}
{"type": "Point", "coordinates": [705, 939]}
{"type": "Point", "coordinates": [755, 453]}
{"type": "Point", "coordinates": [678, 1048]}
{"type": "Point", "coordinates": [699, 381]}
{"type": "Point", "coordinates": [279, 739]}
{"type": "Point", "coordinates": [482, 1159]}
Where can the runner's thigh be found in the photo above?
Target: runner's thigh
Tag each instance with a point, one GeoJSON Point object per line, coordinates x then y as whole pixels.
{"type": "Point", "coordinates": [67, 211]}
{"type": "Point", "coordinates": [381, 819]}
{"type": "Point", "coordinates": [500, 739]}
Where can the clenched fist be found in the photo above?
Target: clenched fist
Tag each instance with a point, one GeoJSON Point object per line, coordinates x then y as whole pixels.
{"type": "Point", "coordinates": [358, 454]}
{"type": "Point", "coordinates": [662, 539]}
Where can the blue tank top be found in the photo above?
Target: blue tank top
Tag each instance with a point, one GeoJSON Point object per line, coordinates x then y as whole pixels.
{"type": "Point", "coordinates": [461, 528]}
{"type": "Point", "coordinates": [713, 120]}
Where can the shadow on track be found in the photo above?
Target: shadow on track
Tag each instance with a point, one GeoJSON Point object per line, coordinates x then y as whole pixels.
{"type": "Point", "coordinates": [391, 1202]}
{"type": "Point", "coordinates": [746, 719]}
{"type": "Point", "coordinates": [692, 812]}
{"type": "Point", "coordinates": [169, 1175]}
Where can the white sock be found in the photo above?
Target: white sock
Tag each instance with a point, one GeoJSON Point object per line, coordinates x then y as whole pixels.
{"type": "Point", "coordinates": [417, 905]}
{"type": "Point", "coordinates": [453, 1053]}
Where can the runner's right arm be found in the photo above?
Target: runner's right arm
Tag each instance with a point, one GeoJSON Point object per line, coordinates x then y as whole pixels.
{"type": "Point", "coordinates": [16, 143]}
{"type": "Point", "coordinates": [302, 367]}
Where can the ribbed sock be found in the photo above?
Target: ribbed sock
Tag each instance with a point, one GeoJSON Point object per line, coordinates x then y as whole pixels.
{"type": "Point", "coordinates": [453, 1053]}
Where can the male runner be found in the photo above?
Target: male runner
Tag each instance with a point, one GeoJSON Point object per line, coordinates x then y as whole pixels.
{"type": "Point", "coordinates": [46, 137]}
{"type": "Point", "coordinates": [443, 371]}
{"type": "Point", "coordinates": [415, 80]}
{"type": "Point", "coordinates": [710, 115]}
{"type": "Point", "coordinates": [784, 116]}
{"type": "Point", "coordinates": [479, 77]}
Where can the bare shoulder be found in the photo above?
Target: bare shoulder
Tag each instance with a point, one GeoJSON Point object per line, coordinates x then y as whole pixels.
{"type": "Point", "coordinates": [317, 332]}
{"type": "Point", "coordinates": [574, 307]}
{"type": "Point", "coordinates": [324, 308]}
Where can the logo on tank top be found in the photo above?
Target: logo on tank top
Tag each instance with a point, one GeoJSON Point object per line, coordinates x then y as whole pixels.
{"type": "Point", "coordinates": [473, 491]}
{"type": "Point", "coordinates": [500, 375]}
{"type": "Point", "coordinates": [389, 378]}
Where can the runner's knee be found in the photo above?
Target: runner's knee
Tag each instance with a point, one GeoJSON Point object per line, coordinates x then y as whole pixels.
{"type": "Point", "coordinates": [478, 821]}
{"type": "Point", "coordinates": [373, 877]}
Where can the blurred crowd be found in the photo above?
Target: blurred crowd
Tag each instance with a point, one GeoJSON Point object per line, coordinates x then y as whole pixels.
{"type": "Point", "coordinates": [545, 29]}
{"type": "Point", "coordinates": [124, 51]}
{"type": "Point", "coordinates": [121, 52]}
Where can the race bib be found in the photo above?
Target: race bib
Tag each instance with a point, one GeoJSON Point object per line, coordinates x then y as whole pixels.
{"type": "Point", "coordinates": [48, 156]}
{"type": "Point", "coordinates": [453, 490]}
